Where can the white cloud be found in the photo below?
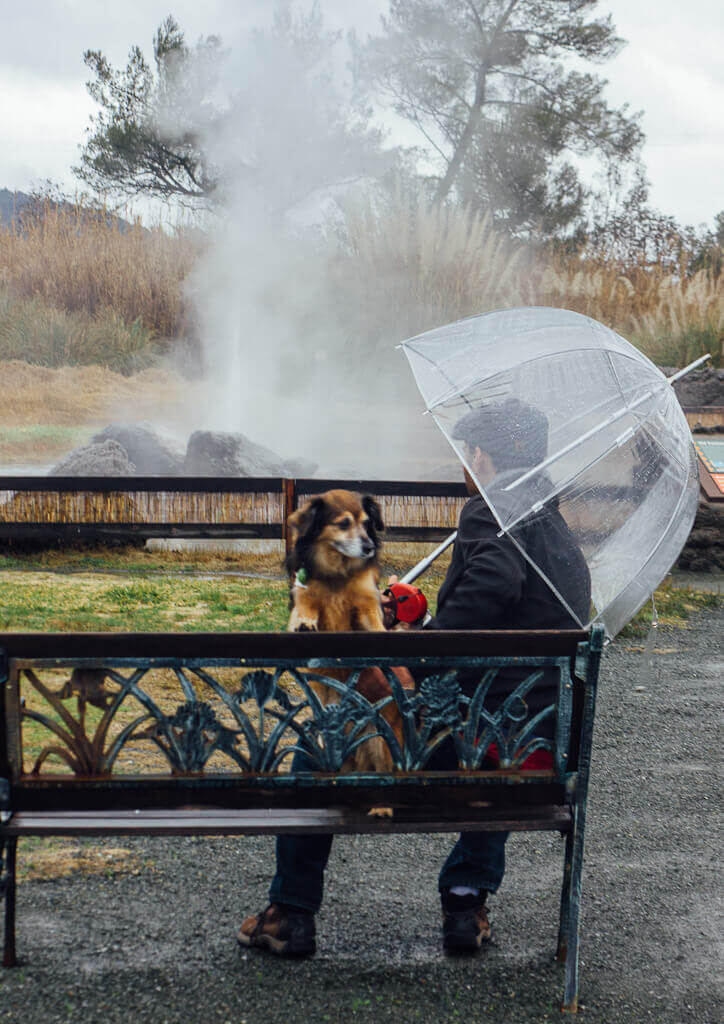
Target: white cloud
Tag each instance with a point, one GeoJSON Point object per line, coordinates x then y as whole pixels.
{"type": "Point", "coordinates": [43, 122]}
{"type": "Point", "coordinates": [672, 69]}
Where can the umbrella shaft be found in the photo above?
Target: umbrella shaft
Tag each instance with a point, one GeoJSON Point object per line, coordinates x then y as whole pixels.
{"type": "Point", "coordinates": [419, 569]}
{"type": "Point", "coordinates": [687, 369]}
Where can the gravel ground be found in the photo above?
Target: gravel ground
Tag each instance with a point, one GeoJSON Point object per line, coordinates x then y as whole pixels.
{"type": "Point", "coordinates": [159, 946]}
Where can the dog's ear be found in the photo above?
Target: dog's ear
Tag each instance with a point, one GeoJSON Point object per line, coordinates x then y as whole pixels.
{"type": "Point", "coordinates": [307, 522]}
{"type": "Point", "coordinates": [375, 516]}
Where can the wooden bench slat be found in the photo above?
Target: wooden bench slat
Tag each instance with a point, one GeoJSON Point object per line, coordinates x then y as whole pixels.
{"type": "Point", "coordinates": [120, 795]}
{"type": "Point", "coordinates": [195, 821]}
{"type": "Point", "coordinates": [430, 644]}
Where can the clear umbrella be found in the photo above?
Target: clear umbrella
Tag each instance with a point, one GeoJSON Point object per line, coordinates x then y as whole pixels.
{"type": "Point", "coordinates": [611, 453]}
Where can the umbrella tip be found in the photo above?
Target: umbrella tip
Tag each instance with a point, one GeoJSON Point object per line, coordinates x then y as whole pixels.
{"type": "Point", "coordinates": [687, 369]}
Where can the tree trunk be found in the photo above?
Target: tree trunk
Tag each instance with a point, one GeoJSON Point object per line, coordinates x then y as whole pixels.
{"type": "Point", "coordinates": [464, 144]}
{"type": "Point", "coordinates": [465, 139]}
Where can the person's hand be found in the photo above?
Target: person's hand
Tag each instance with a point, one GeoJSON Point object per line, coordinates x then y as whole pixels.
{"type": "Point", "coordinates": [417, 624]}
{"type": "Point", "coordinates": [389, 606]}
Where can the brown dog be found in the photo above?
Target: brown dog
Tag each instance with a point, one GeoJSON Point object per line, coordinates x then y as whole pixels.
{"type": "Point", "coordinates": [334, 587]}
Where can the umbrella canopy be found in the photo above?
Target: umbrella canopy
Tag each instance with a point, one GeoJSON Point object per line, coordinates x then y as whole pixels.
{"type": "Point", "coordinates": [575, 422]}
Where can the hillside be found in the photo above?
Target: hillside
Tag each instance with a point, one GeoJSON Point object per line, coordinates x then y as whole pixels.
{"type": "Point", "coordinates": [12, 204]}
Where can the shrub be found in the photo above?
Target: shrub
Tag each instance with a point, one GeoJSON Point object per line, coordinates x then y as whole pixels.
{"type": "Point", "coordinates": [38, 333]}
{"type": "Point", "coordinates": [412, 268]}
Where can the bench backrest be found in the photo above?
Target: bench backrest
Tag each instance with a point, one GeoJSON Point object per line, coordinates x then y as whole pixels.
{"type": "Point", "coordinates": [159, 719]}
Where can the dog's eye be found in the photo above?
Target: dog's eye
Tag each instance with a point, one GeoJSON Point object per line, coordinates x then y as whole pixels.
{"type": "Point", "coordinates": [344, 524]}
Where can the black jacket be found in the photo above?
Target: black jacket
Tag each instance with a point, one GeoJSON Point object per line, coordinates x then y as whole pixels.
{"type": "Point", "coordinates": [491, 585]}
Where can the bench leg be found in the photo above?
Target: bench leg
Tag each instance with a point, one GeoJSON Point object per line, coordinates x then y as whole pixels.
{"type": "Point", "coordinates": [565, 901]}
{"type": "Point", "coordinates": [8, 851]}
{"type": "Point", "coordinates": [571, 895]}
{"type": "Point", "coordinates": [568, 940]}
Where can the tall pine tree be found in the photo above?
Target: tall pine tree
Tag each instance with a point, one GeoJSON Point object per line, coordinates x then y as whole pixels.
{"type": "Point", "coordinates": [490, 87]}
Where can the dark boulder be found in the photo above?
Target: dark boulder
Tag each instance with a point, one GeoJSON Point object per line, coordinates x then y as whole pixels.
{"type": "Point", "coordinates": [704, 386]}
{"type": "Point", "coordinates": [108, 458]}
{"type": "Point", "coordinates": [704, 550]}
{"type": "Point", "coordinates": [218, 453]}
{"type": "Point", "coordinates": [151, 452]}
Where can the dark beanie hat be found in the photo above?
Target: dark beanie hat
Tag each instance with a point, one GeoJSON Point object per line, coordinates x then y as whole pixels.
{"type": "Point", "coordinates": [514, 435]}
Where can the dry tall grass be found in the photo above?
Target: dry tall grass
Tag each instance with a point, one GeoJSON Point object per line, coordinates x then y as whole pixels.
{"type": "Point", "coordinates": [419, 267]}
{"type": "Point", "coordinates": [686, 321]}
{"type": "Point", "coordinates": [672, 319]}
{"type": "Point", "coordinates": [77, 260]}
{"type": "Point", "coordinates": [78, 288]}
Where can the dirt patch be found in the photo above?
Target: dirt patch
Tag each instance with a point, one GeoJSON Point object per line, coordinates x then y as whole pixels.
{"type": "Point", "coordinates": [72, 396]}
{"type": "Point", "coordinates": [45, 860]}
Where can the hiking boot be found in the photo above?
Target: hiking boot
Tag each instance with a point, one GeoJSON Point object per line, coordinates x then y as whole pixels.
{"type": "Point", "coordinates": [286, 931]}
{"type": "Point", "coordinates": [465, 925]}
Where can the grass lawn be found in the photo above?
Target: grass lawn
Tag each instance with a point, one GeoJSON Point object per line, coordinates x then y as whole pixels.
{"type": "Point", "coordinates": [137, 562]}
{"type": "Point", "coordinates": [40, 602]}
{"type": "Point", "coordinates": [29, 442]}
{"type": "Point", "coordinates": [674, 607]}
{"type": "Point", "coordinates": [131, 589]}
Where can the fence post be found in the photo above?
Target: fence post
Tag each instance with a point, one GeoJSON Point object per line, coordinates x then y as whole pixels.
{"type": "Point", "coordinates": [289, 505]}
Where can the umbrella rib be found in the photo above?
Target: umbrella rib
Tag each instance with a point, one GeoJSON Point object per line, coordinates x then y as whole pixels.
{"type": "Point", "coordinates": [545, 579]}
{"type": "Point", "coordinates": [619, 414]}
{"type": "Point", "coordinates": [614, 444]}
{"type": "Point", "coordinates": [612, 367]}
{"type": "Point", "coordinates": [453, 387]}
{"type": "Point", "coordinates": [492, 312]}
{"type": "Point", "coordinates": [456, 388]}
{"type": "Point", "coordinates": [672, 517]}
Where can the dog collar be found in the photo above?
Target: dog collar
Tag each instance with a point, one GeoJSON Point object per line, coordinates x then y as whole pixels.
{"type": "Point", "coordinates": [300, 579]}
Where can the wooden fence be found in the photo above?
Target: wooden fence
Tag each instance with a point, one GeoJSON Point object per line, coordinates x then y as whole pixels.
{"type": "Point", "coordinates": [104, 508]}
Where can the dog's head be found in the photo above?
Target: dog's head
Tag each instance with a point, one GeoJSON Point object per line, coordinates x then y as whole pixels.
{"type": "Point", "coordinates": [335, 534]}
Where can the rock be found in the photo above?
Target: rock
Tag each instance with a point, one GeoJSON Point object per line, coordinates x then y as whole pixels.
{"type": "Point", "coordinates": [700, 428]}
{"type": "Point", "coordinates": [218, 453]}
{"type": "Point", "coordinates": [107, 458]}
{"type": "Point", "coordinates": [704, 386]}
{"type": "Point", "coordinates": [704, 550]}
{"type": "Point", "coordinates": [151, 452]}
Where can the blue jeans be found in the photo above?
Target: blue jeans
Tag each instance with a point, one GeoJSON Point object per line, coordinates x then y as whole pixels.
{"type": "Point", "coordinates": [477, 859]}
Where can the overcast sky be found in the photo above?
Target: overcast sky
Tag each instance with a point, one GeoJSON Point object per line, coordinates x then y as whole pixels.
{"type": "Point", "coordinates": [672, 69]}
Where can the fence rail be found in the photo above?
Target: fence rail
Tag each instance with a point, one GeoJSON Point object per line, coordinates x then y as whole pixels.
{"type": "Point", "coordinates": [103, 507]}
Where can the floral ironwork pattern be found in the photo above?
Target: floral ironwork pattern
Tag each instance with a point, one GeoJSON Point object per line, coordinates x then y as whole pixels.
{"type": "Point", "coordinates": [269, 713]}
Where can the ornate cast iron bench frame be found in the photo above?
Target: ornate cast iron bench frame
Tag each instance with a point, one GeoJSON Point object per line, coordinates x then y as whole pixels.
{"type": "Point", "coordinates": [241, 704]}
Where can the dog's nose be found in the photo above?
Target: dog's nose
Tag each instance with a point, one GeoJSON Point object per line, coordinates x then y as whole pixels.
{"type": "Point", "coordinates": [367, 548]}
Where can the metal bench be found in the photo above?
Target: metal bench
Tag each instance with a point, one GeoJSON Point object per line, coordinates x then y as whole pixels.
{"type": "Point", "coordinates": [178, 734]}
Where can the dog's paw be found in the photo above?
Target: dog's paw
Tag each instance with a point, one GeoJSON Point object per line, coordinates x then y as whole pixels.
{"type": "Point", "coordinates": [380, 812]}
{"type": "Point", "coordinates": [306, 626]}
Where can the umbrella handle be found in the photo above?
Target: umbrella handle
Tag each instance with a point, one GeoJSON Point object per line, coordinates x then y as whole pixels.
{"type": "Point", "coordinates": [419, 569]}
